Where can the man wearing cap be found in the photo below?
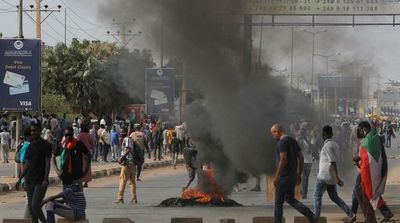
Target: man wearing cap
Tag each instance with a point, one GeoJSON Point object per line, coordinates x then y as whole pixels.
{"type": "Point", "coordinates": [138, 137]}
{"type": "Point", "coordinates": [128, 169]}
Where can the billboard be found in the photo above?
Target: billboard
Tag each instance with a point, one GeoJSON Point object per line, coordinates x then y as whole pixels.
{"type": "Point", "coordinates": [160, 91]}
{"type": "Point", "coordinates": [20, 74]}
{"type": "Point", "coordinates": [313, 7]}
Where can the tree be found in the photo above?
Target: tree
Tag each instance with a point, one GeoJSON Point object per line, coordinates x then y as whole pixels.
{"type": "Point", "coordinates": [55, 103]}
{"type": "Point", "coordinates": [90, 76]}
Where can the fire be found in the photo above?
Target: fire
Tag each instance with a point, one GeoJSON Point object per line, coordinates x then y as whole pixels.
{"type": "Point", "coordinates": [198, 195]}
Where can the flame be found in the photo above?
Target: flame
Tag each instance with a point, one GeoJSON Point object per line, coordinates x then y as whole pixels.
{"type": "Point", "coordinates": [200, 196]}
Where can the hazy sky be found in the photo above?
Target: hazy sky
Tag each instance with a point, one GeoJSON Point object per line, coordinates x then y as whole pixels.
{"type": "Point", "coordinates": [378, 47]}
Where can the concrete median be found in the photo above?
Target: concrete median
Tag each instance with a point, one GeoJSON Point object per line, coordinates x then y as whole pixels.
{"type": "Point", "coordinates": [63, 220]}
{"type": "Point", "coordinates": [227, 221]}
{"type": "Point", "coordinates": [266, 220]}
{"type": "Point", "coordinates": [117, 220]}
{"type": "Point", "coordinates": [302, 219]}
{"type": "Point", "coordinates": [16, 221]}
{"type": "Point", "coordinates": [186, 220]}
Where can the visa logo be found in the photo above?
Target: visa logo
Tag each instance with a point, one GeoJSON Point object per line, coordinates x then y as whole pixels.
{"type": "Point", "coordinates": [25, 103]}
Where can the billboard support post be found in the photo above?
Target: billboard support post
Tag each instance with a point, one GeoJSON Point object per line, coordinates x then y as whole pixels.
{"type": "Point", "coordinates": [18, 127]}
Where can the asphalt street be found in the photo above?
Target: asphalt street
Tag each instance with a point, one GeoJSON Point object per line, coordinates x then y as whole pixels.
{"type": "Point", "coordinates": [163, 183]}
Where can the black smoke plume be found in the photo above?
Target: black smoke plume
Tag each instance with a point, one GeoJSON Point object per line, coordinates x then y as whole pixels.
{"type": "Point", "coordinates": [231, 126]}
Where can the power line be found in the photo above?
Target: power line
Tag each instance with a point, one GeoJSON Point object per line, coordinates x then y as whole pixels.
{"type": "Point", "coordinates": [91, 29]}
{"type": "Point", "coordinates": [91, 36]}
{"type": "Point", "coordinates": [51, 27]}
{"type": "Point", "coordinates": [83, 19]}
{"type": "Point", "coordinates": [7, 11]}
{"type": "Point", "coordinates": [8, 3]}
{"type": "Point", "coordinates": [51, 37]}
{"type": "Point", "coordinates": [70, 32]}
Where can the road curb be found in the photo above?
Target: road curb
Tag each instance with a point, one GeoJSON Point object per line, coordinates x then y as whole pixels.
{"type": "Point", "coordinates": [7, 187]}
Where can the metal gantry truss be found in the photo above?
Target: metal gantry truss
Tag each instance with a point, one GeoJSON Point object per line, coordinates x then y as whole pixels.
{"type": "Point", "coordinates": [314, 20]}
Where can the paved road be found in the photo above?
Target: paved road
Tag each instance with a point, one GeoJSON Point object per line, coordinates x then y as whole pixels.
{"type": "Point", "coordinates": [166, 183]}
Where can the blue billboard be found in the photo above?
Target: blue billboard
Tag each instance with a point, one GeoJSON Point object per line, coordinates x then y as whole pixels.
{"type": "Point", "coordinates": [20, 74]}
{"type": "Point", "coordinates": [160, 91]}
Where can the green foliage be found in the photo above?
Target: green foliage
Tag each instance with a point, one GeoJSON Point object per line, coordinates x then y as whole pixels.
{"type": "Point", "coordinates": [55, 104]}
{"type": "Point", "coordinates": [92, 76]}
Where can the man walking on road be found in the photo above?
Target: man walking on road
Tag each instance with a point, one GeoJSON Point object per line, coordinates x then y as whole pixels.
{"type": "Point", "coordinates": [371, 181]}
{"type": "Point", "coordinates": [289, 163]}
{"type": "Point", "coordinates": [305, 145]}
{"type": "Point", "coordinates": [36, 172]}
{"type": "Point", "coordinates": [71, 169]}
{"type": "Point", "coordinates": [328, 176]}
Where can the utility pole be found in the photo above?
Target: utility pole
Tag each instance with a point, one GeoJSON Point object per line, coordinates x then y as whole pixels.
{"type": "Point", "coordinates": [38, 20]}
{"type": "Point", "coordinates": [20, 19]}
{"type": "Point", "coordinates": [38, 10]}
{"type": "Point", "coordinates": [261, 40]}
{"type": "Point", "coordinates": [18, 131]}
{"type": "Point", "coordinates": [120, 35]}
{"type": "Point", "coordinates": [312, 60]}
{"type": "Point", "coordinates": [65, 26]}
{"type": "Point", "coordinates": [247, 45]}
{"type": "Point", "coordinates": [291, 60]}
{"type": "Point", "coordinates": [162, 37]}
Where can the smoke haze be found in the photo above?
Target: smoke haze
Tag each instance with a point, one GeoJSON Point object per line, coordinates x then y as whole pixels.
{"type": "Point", "coordinates": [231, 126]}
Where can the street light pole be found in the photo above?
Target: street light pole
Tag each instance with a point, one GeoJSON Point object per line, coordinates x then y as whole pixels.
{"type": "Point", "coordinates": [20, 11]}
{"type": "Point", "coordinates": [291, 62]}
{"type": "Point", "coordinates": [312, 68]}
{"type": "Point", "coordinates": [312, 60]}
{"type": "Point", "coordinates": [326, 57]}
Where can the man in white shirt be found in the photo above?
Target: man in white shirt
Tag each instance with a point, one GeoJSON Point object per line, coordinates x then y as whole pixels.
{"type": "Point", "coordinates": [5, 139]}
{"type": "Point", "coordinates": [305, 145]}
{"type": "Point", "coordinates": [328, 177]}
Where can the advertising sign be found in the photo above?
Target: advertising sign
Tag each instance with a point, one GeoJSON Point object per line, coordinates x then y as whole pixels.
{"type": "Point", "coordinates": [134, 112]}
{"type": "Point", "coordinates": [160, 91]}
{"type": "Point", "coordinates": [20, 74]}
{"type": "Point", "coordinates": [313, 7]}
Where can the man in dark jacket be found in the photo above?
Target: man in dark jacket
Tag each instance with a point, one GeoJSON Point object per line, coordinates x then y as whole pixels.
{"type": "Point", "coordinates": [70, 169]}
{"type": "Point", "coordinates": [156, 141]}
{"type": "Point", "coordinates": [190, 154]}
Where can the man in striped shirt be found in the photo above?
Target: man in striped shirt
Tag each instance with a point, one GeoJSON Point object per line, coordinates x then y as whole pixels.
{"type": "Point", "coordinates": [74, 207]}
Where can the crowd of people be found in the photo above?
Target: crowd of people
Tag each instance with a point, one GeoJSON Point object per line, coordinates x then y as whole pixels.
{"type": "Point", "coordinates": [71, 148]}
{"type": "Point", "coordinates": [297, 150]}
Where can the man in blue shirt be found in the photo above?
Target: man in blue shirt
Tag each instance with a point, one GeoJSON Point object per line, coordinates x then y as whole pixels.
{"type": "Point", "coordinates": [289, 163]}
{"type": "Point", "coordinates": [114, 138]}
